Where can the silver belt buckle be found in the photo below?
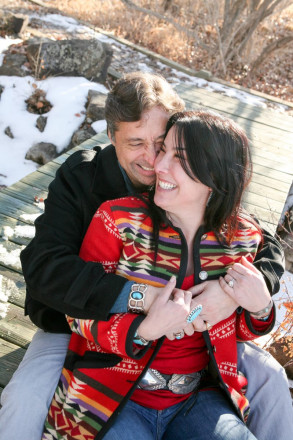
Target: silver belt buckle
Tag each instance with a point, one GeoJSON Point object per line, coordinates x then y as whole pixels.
{"type": "Point", "coordinates": [184, 383]}
{"type": "Point", "coordinates": [177, 383]}
{"type": "Point", "coordinates": [152, 380]}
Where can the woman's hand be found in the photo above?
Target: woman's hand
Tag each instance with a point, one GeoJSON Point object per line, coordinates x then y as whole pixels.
{"type": "Point", "coordinates": [216, 305]}
{"type": "Point", "coordinates": [249, 288]}
{"type": "Point", "coordinates": [166, 316]}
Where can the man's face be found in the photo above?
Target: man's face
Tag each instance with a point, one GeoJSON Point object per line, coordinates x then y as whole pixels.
{"type": "Point", "coordinates": [138, 143]}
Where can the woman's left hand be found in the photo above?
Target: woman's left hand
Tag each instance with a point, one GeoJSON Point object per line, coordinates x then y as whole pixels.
{"type": "Point", "coordinates": [249, 288]}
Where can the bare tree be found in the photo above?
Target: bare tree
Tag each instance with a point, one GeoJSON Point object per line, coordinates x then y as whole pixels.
{"type": "Point", "coordinates": [235, 24]}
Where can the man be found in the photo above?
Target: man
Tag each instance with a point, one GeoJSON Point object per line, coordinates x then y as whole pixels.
{"type": "Point", "coordinates": [59, 282]}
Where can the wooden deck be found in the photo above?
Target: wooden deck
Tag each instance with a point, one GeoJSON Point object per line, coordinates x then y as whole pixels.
{"type": "Point", "coordinates": [272, 136]}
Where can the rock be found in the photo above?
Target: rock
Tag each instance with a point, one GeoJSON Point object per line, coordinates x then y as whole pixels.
{"type": "Point", "coordinates": [8, 132]}
{"type": "Point", "coordinates": [96, 106]}
{"type": "Point", "coordinates": [41, 123]}
{"type": "Point", "coordinates": [42, 153]}
{"type": "Point", "coordinates": [276, 350]}
{"type": "Point", "coordinates": [81, 136]}
{"type": "Point", "coordinates": [13, 65]}
{"type": "Point", "coordinates": [12, 24]}
{"type": "Point", "coordinates": [88, 58]}
{"type": "Point", "coordinates": [19, 23]}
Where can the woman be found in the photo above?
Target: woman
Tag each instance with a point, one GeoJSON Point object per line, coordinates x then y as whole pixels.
{"type": "Point", "coordinates": [185, 386]}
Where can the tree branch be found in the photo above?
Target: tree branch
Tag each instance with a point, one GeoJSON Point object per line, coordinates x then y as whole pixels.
{"type": "Point", "coordinates": [276, 45]}
{"type": "Point", "coordinates": [179, 27]}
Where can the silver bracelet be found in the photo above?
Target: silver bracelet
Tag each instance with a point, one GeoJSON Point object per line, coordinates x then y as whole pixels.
{"type": "Point", "coordinates": [136, 298]}
{"type": "Point", "coordinates": [263, 313]}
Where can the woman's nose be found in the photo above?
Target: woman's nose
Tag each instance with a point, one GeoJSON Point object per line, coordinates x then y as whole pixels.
{"type": "Point", "coordinates": [161, 163]}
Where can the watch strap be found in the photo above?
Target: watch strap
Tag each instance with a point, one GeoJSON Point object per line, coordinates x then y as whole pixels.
{"type": "Point", "coordinates": [263, 313]}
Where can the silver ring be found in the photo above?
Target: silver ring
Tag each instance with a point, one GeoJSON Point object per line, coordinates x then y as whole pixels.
{"type": "Point", "coordinates": [231, 284]}
{"type": "Point", "coordinates": [179, 335]}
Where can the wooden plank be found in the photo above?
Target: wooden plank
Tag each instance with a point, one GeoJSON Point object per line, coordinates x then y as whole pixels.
{"type": "Point", "coordinates": [259, 168]}
{"type": "Point", "coordinates": [268, 192]}
{"type": "Point", "coordinates": [235, 106]}
{"type": "Point", "coordinates": [16, 328]}
{"type": "Point", "coordinates": [12, 286]}
{"type": "Point", "coordinates": [10, 357]}
{"type": "Point", "coordinates": [18, 209]}
{"type": "Point", "coordinates": [266, 217]}
{"type": "Point", "coordinates": [25, 192]}
{"type": "Point", "coordinates": [15, 230]}
{"type": "Point", "coordinates": [255, 131]}
{"type": "Point", "coordinates": [38, 179]}
{"type": "Point", "coordinates": [9, 255]}
{"type": "Point", "coordinates": [268, 182]}
{"type": "Point", "coordinates": [50, 168]}
{"type": "Point", "coordinates": [264, 202]}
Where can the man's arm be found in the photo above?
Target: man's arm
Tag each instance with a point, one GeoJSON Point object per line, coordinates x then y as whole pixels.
{"type": "Point", "coordinates": [58, 281]}
{"type": "Point", "coordinates": [270, 261]}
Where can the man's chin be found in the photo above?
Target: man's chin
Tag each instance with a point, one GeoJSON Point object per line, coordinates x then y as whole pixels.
{"type": "Point", "coordinates": [144, 182]}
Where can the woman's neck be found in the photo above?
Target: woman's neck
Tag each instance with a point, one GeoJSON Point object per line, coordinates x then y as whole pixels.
{"type": "Point", "coordinates": [188, 223]}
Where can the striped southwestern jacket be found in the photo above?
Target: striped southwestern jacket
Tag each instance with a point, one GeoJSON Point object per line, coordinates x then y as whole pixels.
{"type": "Point", "coordinates": [103, 366]}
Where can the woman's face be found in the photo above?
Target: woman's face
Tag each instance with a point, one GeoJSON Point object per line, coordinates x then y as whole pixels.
{"type": "Point", "coordinates": [176, 192]}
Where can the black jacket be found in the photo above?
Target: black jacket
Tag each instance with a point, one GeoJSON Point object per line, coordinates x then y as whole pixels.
{"type": "Point", "coordinates": [58, 281]}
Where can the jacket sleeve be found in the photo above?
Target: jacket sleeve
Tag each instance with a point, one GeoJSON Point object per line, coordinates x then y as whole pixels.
{"type": "Point", "coordinates": [248, 328]}
{"type": "Point", "coordinates": [103, 243]}
{"type": "Point", "coordinates": [58, 281]}
{"type": "Point", "coordinates": [270, 262]}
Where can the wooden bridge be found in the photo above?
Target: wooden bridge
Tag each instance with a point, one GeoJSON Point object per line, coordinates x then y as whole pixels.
{"type": "Point", "coordinates": [271, 134]}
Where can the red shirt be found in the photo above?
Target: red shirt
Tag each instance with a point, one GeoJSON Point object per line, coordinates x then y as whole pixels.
{"type": "Point", "coordinates": [183, 356]}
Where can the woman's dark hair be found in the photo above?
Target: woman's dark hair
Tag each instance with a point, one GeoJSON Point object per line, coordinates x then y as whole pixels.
{"type": "Point", "coordinates": [214, 150]}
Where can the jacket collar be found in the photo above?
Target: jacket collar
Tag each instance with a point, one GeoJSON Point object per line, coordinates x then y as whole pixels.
{"type": "Point", "coordinates": [108, 181]}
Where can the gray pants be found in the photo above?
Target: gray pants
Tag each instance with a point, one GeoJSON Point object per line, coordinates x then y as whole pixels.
{"type": "Point", "coordinates": [27, 397]}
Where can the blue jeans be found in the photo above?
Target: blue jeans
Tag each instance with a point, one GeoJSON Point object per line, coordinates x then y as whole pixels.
{"type": "Point", "coordinates": [207, 416]}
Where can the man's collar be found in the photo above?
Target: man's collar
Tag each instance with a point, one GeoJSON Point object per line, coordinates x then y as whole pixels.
{"type": "Point", "coordinates": [128, 183]}
{"type": "Point", "coordinates": [108, 181]}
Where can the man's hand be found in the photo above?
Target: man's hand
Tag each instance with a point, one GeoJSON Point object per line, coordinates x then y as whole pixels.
{"type": "Point", "coordinates": [249, 288]}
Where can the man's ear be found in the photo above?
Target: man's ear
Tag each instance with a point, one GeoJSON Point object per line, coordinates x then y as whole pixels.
{"type": "Point", "coordinates": [112, 139]}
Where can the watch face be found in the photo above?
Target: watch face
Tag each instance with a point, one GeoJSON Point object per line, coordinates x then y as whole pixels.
{"type": "Point", "coordinates": [136, 295]}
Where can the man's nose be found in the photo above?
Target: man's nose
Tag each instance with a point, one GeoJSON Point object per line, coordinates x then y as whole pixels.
{"type": "Point", "coordinates": [151, 153]}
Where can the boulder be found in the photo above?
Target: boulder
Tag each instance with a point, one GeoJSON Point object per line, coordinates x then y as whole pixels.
{"type": "Point", "coordinates": [96, 106]}
{"type": "Point", "coordinates": [13, 65]}
{"type": "Point", "coordinates": [42, 153]}
{"type": "Point", "coordinates": [12, 24]}
{"type": "Point", "coordinates": [81, 136]}
{"type": "Point", "coordinates": [88, 58]}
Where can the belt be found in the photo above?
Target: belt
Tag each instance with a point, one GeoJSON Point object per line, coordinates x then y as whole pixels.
{"type": "Point", "coordinates": [177, 383]}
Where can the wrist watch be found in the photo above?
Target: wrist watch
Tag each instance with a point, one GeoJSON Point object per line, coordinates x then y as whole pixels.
{"type": "Point", "coordinates": [263, 313]}
{"type": "Point", "coordinates": [136, 298]}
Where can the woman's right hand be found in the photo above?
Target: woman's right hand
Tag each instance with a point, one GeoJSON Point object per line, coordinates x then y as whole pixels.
{"type": "Point", "coordinates": [166, 316]}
